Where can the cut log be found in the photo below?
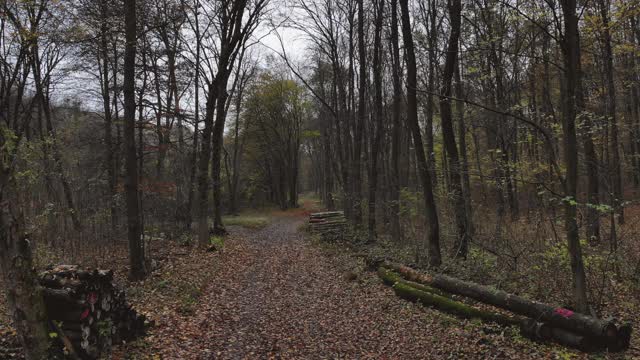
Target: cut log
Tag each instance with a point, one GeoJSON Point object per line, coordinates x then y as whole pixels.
{"type": "Point", "coordinates": [329, 225]}
{"type": "Point", "coordinates": [410, 293]}
{"type": "Point", "coordinates": [542, 332]}
{"type": "Point", "coordinates": [390, 278]}
{"type": "Point", "coordinates": [535, 330]}
{"type": "Point", "coordinates": [557, 317]}
{"type": "Point", "coordinates": [326, 214]}
{"type": "Point", "coordinates": [326, 225]}
{"type": "Point", "coordinates": [61, 299]}
{"type": "Point", "coordinates": [581, 342]}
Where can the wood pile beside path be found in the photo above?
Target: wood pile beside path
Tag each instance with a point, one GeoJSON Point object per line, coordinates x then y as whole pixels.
{"type": "Point", "coordinates": [87, 311]}
{"type": "Point", "coordinates": [330, 225]}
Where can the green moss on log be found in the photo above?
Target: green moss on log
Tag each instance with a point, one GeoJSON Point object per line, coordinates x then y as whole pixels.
{"type": "Point", "coordinates": [390, 277]}
{"type": "Point", "coordinates": [442, 303]}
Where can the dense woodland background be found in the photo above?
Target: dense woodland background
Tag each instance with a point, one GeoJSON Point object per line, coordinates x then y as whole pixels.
{"type": "Point", "coordinates": [498, 140]}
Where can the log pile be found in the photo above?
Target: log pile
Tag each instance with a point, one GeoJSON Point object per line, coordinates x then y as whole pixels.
{"type": "Point", "coordinates": [330, 225]}
{"type": "Point", "coordinates": [87, 310]}
{"type": "Point", "coordinates": [538, 321]}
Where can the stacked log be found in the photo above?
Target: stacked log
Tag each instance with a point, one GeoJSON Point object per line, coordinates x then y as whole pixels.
{"type": "Point", "coordinates": [330, 225]}
{"type": "Point", "coordinates": [542, 322]}
{"type": "Point", "coordinates": [87, 310]}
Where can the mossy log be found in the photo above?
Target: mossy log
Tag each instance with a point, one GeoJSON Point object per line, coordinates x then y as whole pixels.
{"type": "Point", "coordinates": [390, 278]}
{"type": "Point", "coordinates": [407, 292]}
{"type": "Point", "coordinates": [604, 331]}
{"type": "Point", "coordinates": [427, 295]}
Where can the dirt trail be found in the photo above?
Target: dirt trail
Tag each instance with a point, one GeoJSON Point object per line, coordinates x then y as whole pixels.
{"type": "Point", "coordinates": [275, 295]}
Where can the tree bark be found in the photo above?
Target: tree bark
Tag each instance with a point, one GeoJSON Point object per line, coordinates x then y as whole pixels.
{"type": "Point", "coordinates": [616, 176]}
{"type": "Point", "coordinates": [448, 135]}
{"type": "Point", "coordinates": [362, 115]}
{"type": "Point", "coordinates": [464, 160]}
{"type": "Point", "coordinates": [136, 251]}
{"type": "Point", "coordinates": [571, 54]}
{"type": "Point", "coordinates": [106, 101]}
{"type": "Point", "coordinates": [396, 231]}
{"type": "Point", "coordinates": [376, 138]}
{"type": "Point", "coordinates": [431, 87]}
{"type": "Point", "coordinates": [433, 232]}
{"type": "Point", "coordinates": [196, 126]}
{"type": "Point", "coordinates": [217, 138]}
{"type": "Point", "coordinates": [24, 295]}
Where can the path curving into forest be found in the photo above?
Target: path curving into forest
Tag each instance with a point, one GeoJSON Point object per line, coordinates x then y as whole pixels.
{"type": "Point", "coordinates": [277, 295]}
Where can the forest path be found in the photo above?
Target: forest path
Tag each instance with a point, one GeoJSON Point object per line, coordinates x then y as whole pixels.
{"type": "Point", "coordinates": [276, 295]}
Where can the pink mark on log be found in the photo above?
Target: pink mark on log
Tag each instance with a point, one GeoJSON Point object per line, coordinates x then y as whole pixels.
{"type": "Point", "coordinates": [92, 298]}
{"type": "Point", "coordinates": [564, 312]}
{"type": "Point", "coordinates": [84, 314]}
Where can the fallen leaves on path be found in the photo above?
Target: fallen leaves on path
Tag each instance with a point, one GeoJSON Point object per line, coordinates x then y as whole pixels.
{"type": "Point", "coordinates": [272, 293]}
{"type": "Point", "coordinates": [275, 295]}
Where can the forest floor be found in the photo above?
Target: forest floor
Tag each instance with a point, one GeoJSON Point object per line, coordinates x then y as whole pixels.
{"type": "Point", "coordinates": [275, 292]}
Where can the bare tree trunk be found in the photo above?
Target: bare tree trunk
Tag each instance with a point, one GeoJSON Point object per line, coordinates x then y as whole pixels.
{"type": "Point", "coordinates": [136, 251]}
{"type": "Point", "coordinates": [431, 87]}
{"type": "Point", "coordinates": [24, 295]}
{"type": "Point", "coordinates": [616, 177]}
{"type": "Point", "coordinates": [362, 115]}
{"type": "Point", "coordinates": [464, 161]}
{"type": "Point", "coordinates": [448, 135]}
{"type": "Point", "coordinates": [377, 126]}
{"type": "Point", "coordinates": [394, 195]}
{"type": "Point", "coordinates": [571, 52]}
{"type": "Point", "coordinates": [217, 138]}
{"type": "Point", "coordinates": [634, 104]}
{"type": "Point", "coordinates": [106, 101]}
{"type": "Point", "coordinates": [42, 94]}
{"type": "Point", "coordinates": [237, 153]}
{"type": "Point", "coordinates": [433, 233]}
{"type": "Point", "coordinates": [196, 125]}
{"type": "Point", "coordinates": [117, 153]}
{"type": "Point", "coordinates": [203, 168]}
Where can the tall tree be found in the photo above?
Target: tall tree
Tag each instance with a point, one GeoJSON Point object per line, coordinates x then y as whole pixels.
{"type": "Point", "coordinates": [24, 295]}
{"type": "Point", "coordinates": [362, 116]}
{"type": "Point", "coordinates": [236, 20]}
{"type": "Point", "coordinates": [614, 151]}
{"type": "Point", "coordinates": [572, 84]}
{"type": "Point", "coordinates": [377, 128]}
{"type": "Point", "coordinates": [433, 232]}
{"type": "Point", "coordinates": [136, 251]}
{"type": "Point", "coordinates": [396, 129]}
{"type": "Point", "coordinates": [448, 134]}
